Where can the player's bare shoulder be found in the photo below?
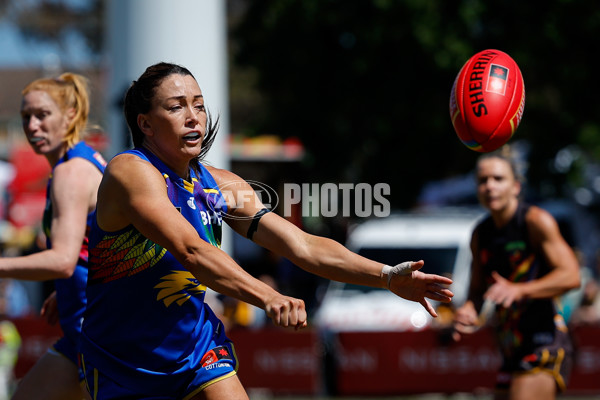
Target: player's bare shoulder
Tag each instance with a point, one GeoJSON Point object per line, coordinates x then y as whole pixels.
{"type": "Point", "coordinates": [229, 183]}
{"type": "Point", "coordinates": [239, 195]}
{"type": "Point", "coordinates": [223, 177]}
{"type": "Point", "coordinates": [125, 160]}
{"type": "Point", "coordinates": [538, 216]}
{"type": "Point", "coordinates": [540, 223]}
{"type": "Point", "coordinates": [76, 169]}
{"type": "Point", "coordinates": [129, 169]}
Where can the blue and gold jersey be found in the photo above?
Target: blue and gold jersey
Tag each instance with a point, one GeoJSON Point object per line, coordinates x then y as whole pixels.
{"type": "Point", "coordinates": [146, 312]}
{"type": "Point", "coordinates": [70, 292]}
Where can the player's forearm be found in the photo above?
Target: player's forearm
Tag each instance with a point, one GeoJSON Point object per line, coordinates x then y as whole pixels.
{"type": "Point", "coordinates": [42, 266]}
{"type": "Point", "coordinates": [331, 260]}
{"type": "Point", "coordinates": [555, 283]}
{"type": "Point", "coordinates": [215, 269]}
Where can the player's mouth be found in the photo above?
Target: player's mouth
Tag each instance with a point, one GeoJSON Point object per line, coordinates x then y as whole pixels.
{"type": "Point", "coordinates": [192, 137]}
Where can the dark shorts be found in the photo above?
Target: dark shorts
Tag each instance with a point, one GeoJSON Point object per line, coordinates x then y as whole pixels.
{"type": "Point", "coordinates": [217, 364]}
{"type": "Point", "coordinates": [555, 358]}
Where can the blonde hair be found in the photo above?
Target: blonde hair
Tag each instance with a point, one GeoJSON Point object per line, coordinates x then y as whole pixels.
{"type": "Point", "coordinates": [507, 154]}
{"type": "Point", "coordinates": [69, 91]}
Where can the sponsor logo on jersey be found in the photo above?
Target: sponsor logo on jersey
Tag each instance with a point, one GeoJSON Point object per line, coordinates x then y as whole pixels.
{"type": "Point", "coordinates": [214, 355]}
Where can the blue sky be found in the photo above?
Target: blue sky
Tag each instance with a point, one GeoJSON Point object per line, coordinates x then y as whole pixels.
{"type": "Point", "coordinates": [18, 51]}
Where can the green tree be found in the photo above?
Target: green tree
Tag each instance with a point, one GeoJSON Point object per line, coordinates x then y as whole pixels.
{"type": "Point", "coordinates": [366, 84]}
{"type": "Point", "coordinates": [50, 20]}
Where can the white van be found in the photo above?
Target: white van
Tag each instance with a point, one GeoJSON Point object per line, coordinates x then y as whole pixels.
{"type": "Point", "coordinates": [441, 237]}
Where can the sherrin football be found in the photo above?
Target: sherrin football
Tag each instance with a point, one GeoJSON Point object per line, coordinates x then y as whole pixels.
{"type": "Point", "coordinates": [487, 100]}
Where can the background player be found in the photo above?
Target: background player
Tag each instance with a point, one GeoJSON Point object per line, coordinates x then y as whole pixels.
{"type": "Point", "coordinates": [54, 113]}
{"type": "Point", "coordinates": [521, 263]}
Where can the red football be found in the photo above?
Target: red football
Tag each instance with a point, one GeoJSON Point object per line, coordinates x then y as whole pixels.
{"type": "Point", "coordinates": [487, 100]}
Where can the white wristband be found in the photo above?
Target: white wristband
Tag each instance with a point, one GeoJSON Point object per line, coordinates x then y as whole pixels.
{"type": "Point", "coordinates": [404, 268]}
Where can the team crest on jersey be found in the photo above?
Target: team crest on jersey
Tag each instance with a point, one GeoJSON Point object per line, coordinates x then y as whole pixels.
{"type": "Point", "coordinates": [515, 251]}
{"type": "Point", "coordinates": [178, 287]}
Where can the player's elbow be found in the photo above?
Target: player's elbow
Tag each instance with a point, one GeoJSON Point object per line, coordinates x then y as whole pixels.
{"type": "Point", "coordinates": [573, 281]}
{"type": "Point", "coordinates": [576, 282]}
{"type": "Point", "coordinates": [65, 267]}
{"type": "Point", "coordinates": [194, 253]}
{"type": "Point", "coordinates": [65, 273]}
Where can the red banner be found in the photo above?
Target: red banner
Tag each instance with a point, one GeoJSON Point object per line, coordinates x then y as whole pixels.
{"type": "Point", "coordinates": [365, 363]}
{"type": "Point", "coordinates": [387, 363]}
{"type": "Point", "coordinates": [586, 371]}
{"type": "Point", "coordinates": [36, 337]}
{"type": "Point", "coordinates": [27, 191]}
{"type": "Point", "coordinates": [278, 360]}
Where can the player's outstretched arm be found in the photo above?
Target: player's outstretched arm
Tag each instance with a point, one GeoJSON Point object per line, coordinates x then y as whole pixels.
{"type": "Point", "coordinates": [406, 281]}
{"type": "Point", "coordinates": [322, 256]}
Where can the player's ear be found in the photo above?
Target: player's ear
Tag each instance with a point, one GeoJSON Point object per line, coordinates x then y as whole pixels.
{"type": "Point", "coordinates": [71, 112]}
{"type": "Point", "coordinates": [517, 188]}
{"type": "Point", "coordinates": [144, 124]}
